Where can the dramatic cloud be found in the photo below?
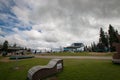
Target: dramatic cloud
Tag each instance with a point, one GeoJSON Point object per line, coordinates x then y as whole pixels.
{"type": "Point", "coordinates": [54, 23]}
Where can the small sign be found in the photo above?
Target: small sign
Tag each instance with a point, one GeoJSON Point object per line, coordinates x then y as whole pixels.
{"type": "Point", "coordinates": [59, 66]}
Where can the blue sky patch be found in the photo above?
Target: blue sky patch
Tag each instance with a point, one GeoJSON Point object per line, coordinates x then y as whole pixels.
{"type": "Point", "coordinates": [25, 28]}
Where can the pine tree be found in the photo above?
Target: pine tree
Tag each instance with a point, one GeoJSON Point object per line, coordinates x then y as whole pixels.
{"type": "Point", "coordinates": [100, 47]}
{"type": "Point", "coordinates": [93, 47]}
{"type": "Point", "coordinates": [5, 48]}
{"type": "Point", "coordinates": [106, 41]}
{"type": "Point", "coordinates": [85, 48]}
{"type": "Point", "coordinates": [15, 45]}
{"type": "Point", "coordinates": [112, 37]}
{"type": "Point", "coordinates": [103, 40]}
{"type": "Point", "coordinates": [102, 36]}
{"type": "Point", "coordinates": [5, 45]}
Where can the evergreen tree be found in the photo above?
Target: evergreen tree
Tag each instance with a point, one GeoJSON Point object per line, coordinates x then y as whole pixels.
{"type": "Point", "coordinates": [92, 47]}
{"type": "Point", "coordinates": [95, 47]}
{"type": "Point", "coordinates": [5, 45]}
{"type": "Point", "coordinates": [112, 37]}
{"type": "Point", "coordinates": [102, 36]}
{"type": "Point", "coordinates": [100, 47]}
{"type": "Point", "coordinates": [106, 42]}
{"type": "Point", "coordinates": [15, 45]}
{"type": "Point", "coordinates": [85, 48]}
{"type": "Point", "coordinates": [103, 40]}
{"type": "Point", "coordinates": [5, 48]}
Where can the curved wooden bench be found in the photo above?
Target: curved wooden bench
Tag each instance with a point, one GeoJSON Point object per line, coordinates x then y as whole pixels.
{"type": "Point", "coordinates": [40, 72]}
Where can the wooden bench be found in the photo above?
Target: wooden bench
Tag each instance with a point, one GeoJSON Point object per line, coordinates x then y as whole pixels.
{"type": "Point", "coordinates": [40, 72]}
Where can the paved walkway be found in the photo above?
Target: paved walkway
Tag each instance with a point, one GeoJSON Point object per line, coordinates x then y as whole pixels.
{"type": "Point", "coordinates": [75, 57]}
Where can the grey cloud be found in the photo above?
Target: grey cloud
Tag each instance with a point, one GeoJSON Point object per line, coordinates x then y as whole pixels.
{"type": "Point", "coordinates": [98, 8]}
{"type": "Point", "coordinates": [77, 16]}
{"type": "Point", "coordinates": [64, 21]}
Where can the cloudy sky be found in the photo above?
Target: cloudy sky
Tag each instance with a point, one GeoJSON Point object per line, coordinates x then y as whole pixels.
{"type": "Point", "coordinates": [54, 23]}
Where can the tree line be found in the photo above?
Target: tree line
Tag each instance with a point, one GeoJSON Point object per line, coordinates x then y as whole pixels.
{"type": "Point", "coordinates": [106, 39]}
{"type": "Point", "coordinates": [6, 48]}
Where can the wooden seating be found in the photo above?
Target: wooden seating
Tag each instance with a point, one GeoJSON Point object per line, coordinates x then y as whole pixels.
{"type": "Point", "coordinates": [40, 72]}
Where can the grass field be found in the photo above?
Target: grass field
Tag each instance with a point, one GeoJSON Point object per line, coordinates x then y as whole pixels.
{"type": "Point", "coordinates": [74, 69]}
{"type": "Point", "coordinates": [90, 70]}
{"type": "Point", "coordinates": [78, 54]}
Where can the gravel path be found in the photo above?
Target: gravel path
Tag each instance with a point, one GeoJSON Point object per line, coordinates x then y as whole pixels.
{"type": "Point", "coordinates": [75, 57]}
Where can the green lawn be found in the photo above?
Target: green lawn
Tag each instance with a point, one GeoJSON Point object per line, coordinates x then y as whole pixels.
{"type": "Point", "coordinates": [78, 54]}
{"type": "Point", "coordinates": [90, 70]}
{"type": "Point", "coordinates": [74, 69]}
{"type": "Point", "coordinates": [8, 71]}
{"type": "Point", "coordinates": [0, 57]}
